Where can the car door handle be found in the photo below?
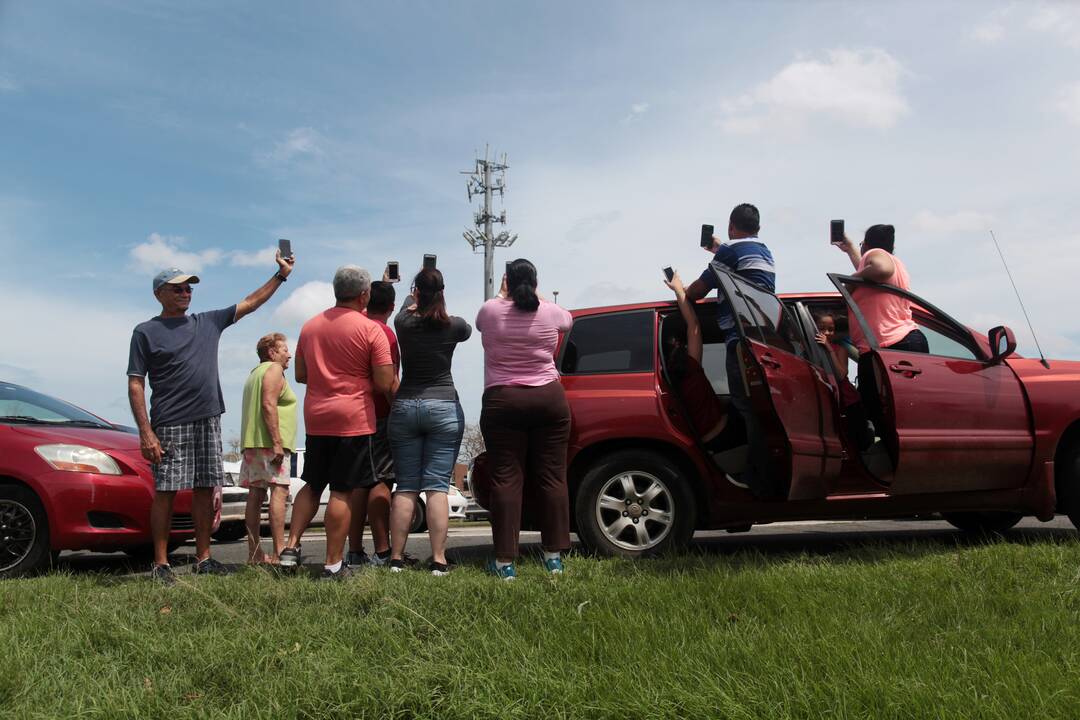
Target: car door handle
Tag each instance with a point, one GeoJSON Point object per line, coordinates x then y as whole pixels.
{"type": "Point", "coordinates": [905, 368]}
{"type": "Point", "coordinates": [768, 359]}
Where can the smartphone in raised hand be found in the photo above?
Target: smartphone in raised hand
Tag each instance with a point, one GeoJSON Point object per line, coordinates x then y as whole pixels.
{"type": "Point", "coordinates": [429, 262]}
{"type": "Point", "coordinates": [836, 232]}
{"type": "Point", "coordinates": [669, 273]}
{"type": "Point", "coordinates": [285, 248]}
{"type": "Point", "coordinates": [392, 271]}
{"type": "Point", "coordinates": [707, 232]}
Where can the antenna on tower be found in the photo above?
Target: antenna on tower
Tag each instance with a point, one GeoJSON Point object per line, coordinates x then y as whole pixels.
{"type": "Point", "coordinates": [487, 178]}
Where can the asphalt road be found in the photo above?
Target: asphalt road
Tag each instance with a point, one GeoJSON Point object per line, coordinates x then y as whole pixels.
{"type": "Point", "coordinates": [473, 543]}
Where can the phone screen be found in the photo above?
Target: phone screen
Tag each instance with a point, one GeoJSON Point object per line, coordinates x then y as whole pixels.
{"type": "Point", "coordinates": [429, 262]}
{"type": "Point", "coordinates": [392, 270]}
{"type": "Point", "coordinates": [285, 247]}
{"type": "Point", "coordinates": [669, 273]}
{"type": "Point", "coordinates": [707, 232]}
{"type": "Point", "coordinates": [836, 231]}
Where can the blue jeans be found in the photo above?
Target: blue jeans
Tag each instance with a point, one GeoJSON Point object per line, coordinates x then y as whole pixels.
{"type": "Point", "coordinates": [425, 436]}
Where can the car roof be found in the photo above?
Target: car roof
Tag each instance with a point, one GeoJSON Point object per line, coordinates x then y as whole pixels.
{"type": "Point", "coordinates": [663, 304]}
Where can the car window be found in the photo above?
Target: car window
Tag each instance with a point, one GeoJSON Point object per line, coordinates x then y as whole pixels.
{"type": "Point", "coordinates": [944, 342]}
{"type": "Point", "coordinates": [617, 343]}
{"type": "Point", "coordinates": [22, 404]}
{"type": "Point", "coordinates": [714, 363]}
{"type": "Point", "coordinates": [764, 317]}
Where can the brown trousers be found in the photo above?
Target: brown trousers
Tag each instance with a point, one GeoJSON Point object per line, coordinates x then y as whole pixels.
{"type": "Point", "coordinates": [526, 430]}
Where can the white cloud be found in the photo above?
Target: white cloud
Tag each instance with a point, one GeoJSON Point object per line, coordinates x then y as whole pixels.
{"type": "Point", "coordinates": [860, 88]}
{"type": "Point", "coordinates": [257, 258]}
{"type": "Point", "coordinates": [163, 251]}
{"type": "Point", "coordinates": [636, 110]}
{"type": "Point", "coordinates": [1068, 102]}
{"type": "Point", "coordinates": [304, 302]}
{"type": "Point", "coordinates": [300, 141]}
{"type": "Point", "coordinates": [1061, 20]}
{"type": "Point", "coordinates": [948, 224]}
{"type": "Point", "coordinates": [991, 29]}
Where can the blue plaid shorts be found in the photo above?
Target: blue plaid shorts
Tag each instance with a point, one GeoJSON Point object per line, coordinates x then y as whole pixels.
{"type": "Point", "coordinates": [191, 456]}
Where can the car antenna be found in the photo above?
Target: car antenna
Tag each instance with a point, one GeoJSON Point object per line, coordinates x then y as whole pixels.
{"type": "Point", "coordinates": [1042, 358]}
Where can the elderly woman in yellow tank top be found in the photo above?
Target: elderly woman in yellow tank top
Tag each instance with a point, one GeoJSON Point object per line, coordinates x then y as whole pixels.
{"type": "Point", "coordinates": [268, 437]}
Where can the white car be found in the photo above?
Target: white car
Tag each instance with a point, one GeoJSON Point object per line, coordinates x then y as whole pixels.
{"type": "Point", "coordinates": [455, 499]}
{"type": "Point", "coordinates": [234, 507]}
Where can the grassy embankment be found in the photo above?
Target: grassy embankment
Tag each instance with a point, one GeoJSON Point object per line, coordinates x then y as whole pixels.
{"type": "Point", "coordinates": [899, 630]}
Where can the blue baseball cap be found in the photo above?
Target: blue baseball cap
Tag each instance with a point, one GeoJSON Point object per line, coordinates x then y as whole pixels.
{"type": "Point", "coordinates": [173, 276]}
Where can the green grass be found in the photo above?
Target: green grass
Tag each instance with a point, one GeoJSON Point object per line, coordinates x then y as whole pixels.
{"type": "Point", "coordinates": [908, 630]}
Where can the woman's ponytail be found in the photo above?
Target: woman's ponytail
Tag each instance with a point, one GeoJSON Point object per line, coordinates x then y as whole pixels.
{"type": "Point", "coordinates": [521, 284]}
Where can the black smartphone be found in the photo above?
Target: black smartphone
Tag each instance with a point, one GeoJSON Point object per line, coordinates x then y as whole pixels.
{"type": "Point", "coordinates": [285, 248]}
{"type": "Point", "coordinates": [669, 273]}
{"type": "Point", "coordinates": [392, 271]}
{"type": "Point", "coordinates": [429, 262]}
{"type": "Point", "coordinates": [836, 232]}
{"type": "Point", "coordinates": [707, 232]}
{"type": "Point", "coordinates": [508, 264]}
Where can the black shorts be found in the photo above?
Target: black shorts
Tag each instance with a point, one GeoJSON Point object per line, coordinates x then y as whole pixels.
{"type": "Point", "coordinates": [382, 458]}
{"type": "Point", "coordinates": [343, 463]}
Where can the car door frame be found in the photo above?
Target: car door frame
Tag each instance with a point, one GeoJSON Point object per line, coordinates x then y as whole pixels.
{"type": "Point", "coordinates": [928, 456]}
{"type": "Point", "coordinates": [813, 464]}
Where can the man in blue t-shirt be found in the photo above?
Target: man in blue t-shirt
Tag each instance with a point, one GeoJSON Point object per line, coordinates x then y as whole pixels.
{"type": "Point", "coordinates": [181, 437]}
{"type": "Point", "coordinates": [749, 258]}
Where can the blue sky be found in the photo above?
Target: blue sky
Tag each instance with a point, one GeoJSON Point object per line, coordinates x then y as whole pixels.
{"type": "Point", "coordinates": [136, 135]}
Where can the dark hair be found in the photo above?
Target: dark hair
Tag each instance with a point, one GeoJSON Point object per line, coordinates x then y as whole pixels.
{"type": "Point", "coordinates": [745, 218]}
{"type": "Point", "coordinates": [880, 237]}
{"type": "Point", "coordinates": [675, 354]}
{"type": "Point", "coordinates": [382, 298]}
{"type": "Point", "coordinates": [521, 284]}
{"type": "Point", "coordinates": [430, 303]}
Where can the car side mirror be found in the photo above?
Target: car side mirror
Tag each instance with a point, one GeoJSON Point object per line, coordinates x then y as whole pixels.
{"type": "Point", "coordinates": [1002, 343]}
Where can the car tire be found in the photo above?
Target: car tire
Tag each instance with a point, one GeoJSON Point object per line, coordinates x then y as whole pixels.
{"type": "Point", "coordinates": [633, 503]}
{"type": "Point", "coordinates": [983, 522]}
{"type": "Point", "coordinates": [230, 531]}
{"type": "Point", "coordinates": [419, 518]}
{"type": "Point", "coordinates": [1068, 488]}
{"type": "Point", "coordinates": [24, 532]}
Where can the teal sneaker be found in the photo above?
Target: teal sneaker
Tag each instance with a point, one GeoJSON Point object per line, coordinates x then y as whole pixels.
{"type": "Point", "coordinates": [504, 573]}
{"type": "Point", "coordinates": [553, 565]}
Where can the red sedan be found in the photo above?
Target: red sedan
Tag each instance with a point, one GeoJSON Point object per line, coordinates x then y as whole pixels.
{"type": "Point", "coordinates": [969, 430]}
{"type": "Point", "coordinates": [71, 481]}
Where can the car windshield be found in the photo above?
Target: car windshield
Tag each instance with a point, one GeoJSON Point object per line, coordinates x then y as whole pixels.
{"type": "Point", "coordinates": [24, 406]}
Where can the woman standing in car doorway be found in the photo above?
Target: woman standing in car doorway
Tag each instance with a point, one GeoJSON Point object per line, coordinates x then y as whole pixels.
{"type": "Point", "coordinates": [525, 418]}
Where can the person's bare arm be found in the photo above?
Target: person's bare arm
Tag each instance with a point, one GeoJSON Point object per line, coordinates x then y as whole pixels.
{"type": "Point", "coordinates": [273, 382]}
{"type": "Point", "coordinates": [696, 291]}
{"type": "Point", "coordinates": [255, 300]}
{"type": "Point", "coordinates": [694, 345]}
{"type": "Point", "coordinates": [879, 267]}
{"type": "Point", "coordinates": [382, 377]}
{"type": "Point", "coordinates": [149, 445]}
{"type": "Point", "coordinates": [300, 369]}
{"type": "Point", "coordinates": [851, 250]}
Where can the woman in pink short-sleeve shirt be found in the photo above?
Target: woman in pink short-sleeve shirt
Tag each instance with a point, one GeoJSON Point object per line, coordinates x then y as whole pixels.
{"type": "Point", "coordinates": [525, 418]}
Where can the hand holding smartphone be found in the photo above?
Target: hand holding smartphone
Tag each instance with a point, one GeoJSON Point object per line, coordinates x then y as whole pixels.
{"type": "Point", "coordinates": [836, 232]}
{"type": "Point", "coordinates": [707, 232]}
{"type": "Point", "coordinates": [669, 273]}
{"type": "Point", "coordinates": [392, 274]}
{"type": "Point", "coordinates": [285, 248]}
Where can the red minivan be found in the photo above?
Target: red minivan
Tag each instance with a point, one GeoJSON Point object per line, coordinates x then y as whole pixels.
{"type": "Point", "coordinates": [970, 430]}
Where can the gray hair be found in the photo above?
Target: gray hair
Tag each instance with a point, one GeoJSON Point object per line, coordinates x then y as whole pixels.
{"type": "Point", "coordinates": [350, 282]}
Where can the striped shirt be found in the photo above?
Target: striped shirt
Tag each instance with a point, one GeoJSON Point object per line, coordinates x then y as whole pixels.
{"type": "Point", "coordinates": [750, 259]}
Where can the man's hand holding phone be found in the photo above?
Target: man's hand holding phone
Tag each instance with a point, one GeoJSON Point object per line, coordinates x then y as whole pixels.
{"type": "Point", "coordinates": [284, 257]}
{"type": "Point", "coordinates": [676, 284]}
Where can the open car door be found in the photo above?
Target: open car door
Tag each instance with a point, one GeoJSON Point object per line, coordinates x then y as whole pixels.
{"type": "Point", "coordinates": [783, 388]}
{"type": "Point", "coordinates": [953, 420]}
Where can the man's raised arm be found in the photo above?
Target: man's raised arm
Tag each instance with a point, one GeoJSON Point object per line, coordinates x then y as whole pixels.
{"type": "Point", "coordinates": [255, 300]}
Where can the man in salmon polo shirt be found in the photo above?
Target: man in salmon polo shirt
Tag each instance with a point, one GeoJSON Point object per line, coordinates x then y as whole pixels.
{"type": "Point", "coordinates": [344, 359]}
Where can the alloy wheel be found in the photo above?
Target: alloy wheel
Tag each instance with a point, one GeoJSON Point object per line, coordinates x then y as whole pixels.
{"type": "Point", "coordinates": [635, 510]}
{"type": "Point", "coordinates": [17, 533]}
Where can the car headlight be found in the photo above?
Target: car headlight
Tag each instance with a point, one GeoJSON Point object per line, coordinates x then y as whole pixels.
{"type": "Point", "coordinates": [78, 458]}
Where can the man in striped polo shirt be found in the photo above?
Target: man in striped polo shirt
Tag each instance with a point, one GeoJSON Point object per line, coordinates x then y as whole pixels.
{"type": "Point", "coordinates": [749, 258]}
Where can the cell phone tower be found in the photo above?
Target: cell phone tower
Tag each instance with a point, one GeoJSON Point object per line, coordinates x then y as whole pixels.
{"type": "Point", "coordinates": [487, 179]}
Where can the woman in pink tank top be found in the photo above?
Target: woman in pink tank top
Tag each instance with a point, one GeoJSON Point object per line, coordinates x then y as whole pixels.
{"type": "Point", "coordinates": [887, 314]}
